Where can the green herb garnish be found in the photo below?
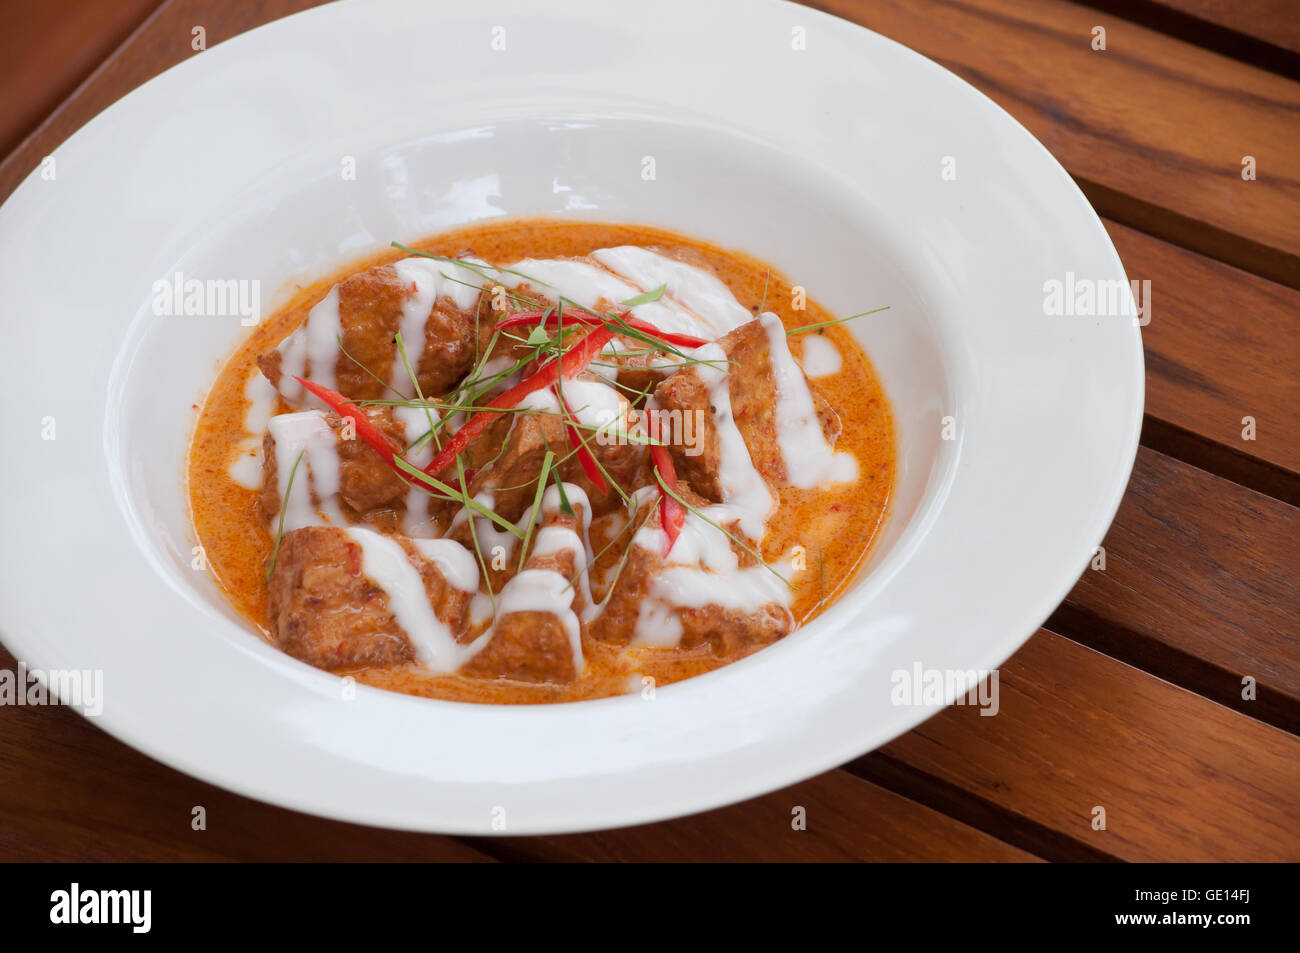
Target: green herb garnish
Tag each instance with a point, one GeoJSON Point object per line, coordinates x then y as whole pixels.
{"type": "Point", "coordinates": [654, 294]}
{"type": "Point", "coordinates": [735, 539]}
{"type": "Point", "coordinates": [537, 506]}
{"type": "Point", "coordinates": [284, 505]}
{"type": "Point", "coordinates": [826, 324]}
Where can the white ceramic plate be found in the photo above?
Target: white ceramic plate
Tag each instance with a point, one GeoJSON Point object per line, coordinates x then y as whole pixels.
{"type": "Point", "coordinates": [827, 161]}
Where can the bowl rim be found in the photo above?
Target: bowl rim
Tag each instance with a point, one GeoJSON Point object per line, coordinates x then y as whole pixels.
{"type": "Point", "coordinates": [551, 818]}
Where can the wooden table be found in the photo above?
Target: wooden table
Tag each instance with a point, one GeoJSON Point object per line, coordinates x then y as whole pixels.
{"type": "Point", "coordinates": [1131, 697]}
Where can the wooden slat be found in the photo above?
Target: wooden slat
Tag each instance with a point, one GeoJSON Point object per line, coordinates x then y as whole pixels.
{"type": "Point", "coordinates": [165, 40]}
{"type": "Point", "coordinates": [1179, 777]}
{"type": "Point", "coordinates": [1273, 21]}
{"type": "Point", "coordinates": [1153, 128]}
{"type": "Point", "coordinates": [70, 792]}
{"type": "Point", "coordinates": [59, 45]}
{"type": "Point", "coordinates": [1257, 32]}
{"type": "Point", "coordinates": [1201, 586]}
{"type": "Point", "coordinates": [1222, 345]}
{"type": "Point", "coordinates": [847, 819]}
{"type": "Point", "coordinates": [162, 41]}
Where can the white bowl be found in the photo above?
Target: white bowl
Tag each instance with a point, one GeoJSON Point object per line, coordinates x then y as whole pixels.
{"type": "Point", "coordinates": [827, 161]}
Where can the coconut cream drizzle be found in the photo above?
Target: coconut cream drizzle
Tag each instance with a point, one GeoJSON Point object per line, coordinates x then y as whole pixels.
{"type": "Point", "coordinates": [422, 290]}
{"type": "Point", "coordinates": [313, 498]}
{"type": "Point", "coordinates": [820, 357]}
{"type": "Point", "coordinates": [497, 365]}
{"type": "Point", "coordinates": [690, 288]}
{"type": "Point", "coordinates": [246, 466]}
{"type": "Point", "coordinates": [454, 561]}
{"type": "Point", "coordinates": [705, 307]}
{"type": "Point", "coordinates": [388, 566]}
{"type": "Point", "coordinates": [324, 328]}
{"type": "Point", "coordinates": [293, 364]}
{"type": "Point", "coordinates": [415, 424]}
{"type": "Point", "coordinates": [545, 590]}
{"type": "Point", "coordinates": [703, 568]}
{"type": "Point", "coordinates": [681, 587]}
{"type": "Point", "coordinates": [593, 403]}
{"type": "Point", "coordinates": [428, 280]}
{"type": "Point", "coordinates": [492, 540]}
{"type": "Point", "coordinates": [743, 487]}
{"type": "Point", "coordinates": [313, 349]}
{"type": "Point", "coordinates": [809, 459]}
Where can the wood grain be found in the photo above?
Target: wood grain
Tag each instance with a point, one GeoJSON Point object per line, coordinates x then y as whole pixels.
{"type": "Point", "coordinates": [1222, 345]}
{"type": "Point", "coordinates": [1201, 587]}
{"type": "Point", "coordinates": [71, 792]}
{"type": "Point", "coordinates": [1153, 129]}
{"type": "Point", "coordinates": [1196, 339]}
{"type": "Point", "coordinates": [48, 49]}
{"type": "Point", "coordinates": [162, 41]}
{"type": "Point", "coordinates": [1274, 21]}
{"type": "Point", "coordinates": [1262, 33]}
{"type": "Point", "coordinates": [1179, 777]}
{"type": "Point", "coordinates": [847, 819]}
{"type": "Point", "coordinates": [1200, 584]}
{"type": "Point", "coordinates": [1197, 297]}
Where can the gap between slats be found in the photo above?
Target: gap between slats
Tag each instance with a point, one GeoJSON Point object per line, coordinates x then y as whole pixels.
{"type": "Point", "coordinates": [965, 806]}
{"type": "Point", "coordinates": [1100, 139]}
{"type": "Point", "coordinates": [843, 817]}
{"type": "Point", "coordinates": [1177, 667]}
{"type": "Point", "coordinates": [1198, 587]}
{"type": "Point", "coordinates": [1178, 776]}
{"type": "Point", "coordinates": [1221, 460]}
{"type": "Point", "coordinates": [1200, 237]}
{"type": "Point", "coordinates": [1251, 50]}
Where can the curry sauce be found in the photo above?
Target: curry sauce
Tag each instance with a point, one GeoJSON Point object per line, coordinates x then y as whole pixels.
{"type": "Point", "coordinates": [830, 528]}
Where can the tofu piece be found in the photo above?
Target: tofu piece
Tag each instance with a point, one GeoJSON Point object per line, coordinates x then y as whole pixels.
{"type": "Point", "coordinates": [531, 643]}
{"type": "Point", "coordinates": [752, 387]}
{"type": "Point", "coordinates": [724, 632]}
{"type": "Point", "coordinates": [372, 307]}
{"type": "Point", "coordinates": [753, 399]}
{"type": "Point", "coordinates": [324, 610]}
{"type": "Point", "coordinates": [365, 489]}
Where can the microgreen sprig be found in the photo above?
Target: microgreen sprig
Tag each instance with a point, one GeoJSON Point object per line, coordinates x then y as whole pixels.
{"type": "Point", "coordinates": [826, 324]}
{"type": "Point", "coordinates": [537, 506]}
{"type": "Point", "coordinates": [735, 539]}
{"type": "Point", "coordinates": [284, 505]}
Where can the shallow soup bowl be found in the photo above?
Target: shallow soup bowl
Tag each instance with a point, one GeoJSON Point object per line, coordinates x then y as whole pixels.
{"type": "Point", "coordinates": [866, 173]}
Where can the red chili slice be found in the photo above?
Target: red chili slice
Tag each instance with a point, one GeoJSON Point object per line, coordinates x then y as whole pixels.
{"type": "Point", "coordinates": [570, 363]}
{"type": "Point", "coordinates": [371, 434]}
{"type": "Point", "coordinates": [671, 512]}
{"type": "Point", "coordinates": [366, 429]}
{"type": "Point", "coordinates": [551, 316]}
{"type": "Point", "coordinates": [585, 456]}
